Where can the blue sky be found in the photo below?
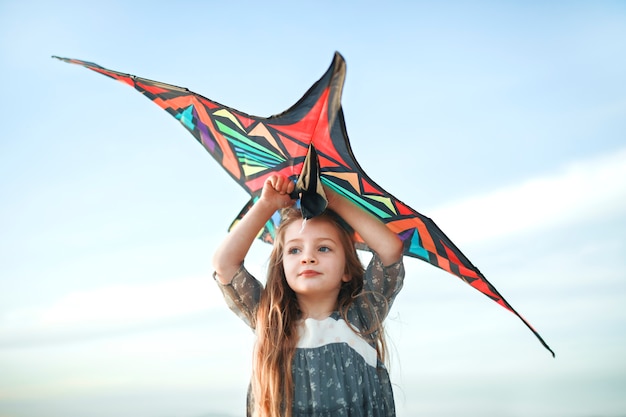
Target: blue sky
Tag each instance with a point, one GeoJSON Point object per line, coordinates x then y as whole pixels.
{"type": "Point", "coordinates": [502, 121]}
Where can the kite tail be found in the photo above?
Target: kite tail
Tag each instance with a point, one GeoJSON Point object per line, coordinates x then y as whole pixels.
{"type": "Point", "coordinates": [532, 329]}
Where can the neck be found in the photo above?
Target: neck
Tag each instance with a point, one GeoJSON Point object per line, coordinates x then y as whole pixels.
{"type": "Point", "coordinates": [315, 308]}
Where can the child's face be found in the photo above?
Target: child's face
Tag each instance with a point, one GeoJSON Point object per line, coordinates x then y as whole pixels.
{"type": "Point", "coordinates": [314, 259]}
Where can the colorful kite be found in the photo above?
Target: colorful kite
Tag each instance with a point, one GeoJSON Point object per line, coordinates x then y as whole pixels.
{"type": "Point", "coordinates": [251, 148]}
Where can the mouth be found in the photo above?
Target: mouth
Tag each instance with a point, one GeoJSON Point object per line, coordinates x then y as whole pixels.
{"type": "Point", "coordinates": [308, 273]}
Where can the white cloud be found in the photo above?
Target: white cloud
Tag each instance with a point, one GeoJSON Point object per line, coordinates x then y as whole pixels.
{"type": "Point", "coordinates": [594, 187]}
{"type": "Point", "coordinates": [124, 303]}
{"type": "Point", "coordinates": [109, 309]}
{"type": "Point", "coordinates": [588, 188]}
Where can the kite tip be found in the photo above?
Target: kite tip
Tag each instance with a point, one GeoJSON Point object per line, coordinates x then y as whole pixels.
{"type": "Point", "coordinates": [545, 345]}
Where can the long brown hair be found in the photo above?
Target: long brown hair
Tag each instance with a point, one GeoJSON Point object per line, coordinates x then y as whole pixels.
{"type": "Point", "coordinates": [278, 316]}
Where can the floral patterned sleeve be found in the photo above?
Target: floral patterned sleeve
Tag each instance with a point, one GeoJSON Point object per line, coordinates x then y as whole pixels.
{"type": "Point", "coordinates": [380, 287]}
{"type": "Point", "coordinates": [242, 295]}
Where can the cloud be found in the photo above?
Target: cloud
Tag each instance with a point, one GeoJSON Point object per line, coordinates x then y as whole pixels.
{"type": "Point", "coordinates": [581, 190]}
{"type": "Point", "coordinates": [111, 310]}
{"type": "Point", "coordinates": [595, 187]}
{"type": "Point", "coordinates": [123, 303]}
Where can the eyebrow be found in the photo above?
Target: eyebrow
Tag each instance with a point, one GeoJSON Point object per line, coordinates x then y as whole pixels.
{"type": "Point", "coordinates": [317, 240]}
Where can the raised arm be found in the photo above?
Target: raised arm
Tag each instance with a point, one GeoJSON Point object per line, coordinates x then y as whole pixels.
{"type": "Point", "coordinates": [230, 254]}
{"type": "Point", "coordinates": [376, 235]}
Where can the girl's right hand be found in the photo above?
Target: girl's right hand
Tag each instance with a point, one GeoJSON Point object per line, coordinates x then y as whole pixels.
{"type": "Point", "coordinates": [229, 256]}
{"type": "Point", "coordinates": [276, 191]}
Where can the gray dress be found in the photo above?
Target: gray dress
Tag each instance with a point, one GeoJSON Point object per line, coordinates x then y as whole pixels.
{"type": "Point", "coordinates": [335, 371]}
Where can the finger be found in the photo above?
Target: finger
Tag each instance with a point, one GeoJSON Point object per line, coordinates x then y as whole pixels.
{"type": "Point", "coordinates": [279, 185]}
{"type": "Point", "coordinates": [271, 180]}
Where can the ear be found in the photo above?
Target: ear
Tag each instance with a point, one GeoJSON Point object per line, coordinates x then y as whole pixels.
{"type": "Point", "coordinates": [346, 278]}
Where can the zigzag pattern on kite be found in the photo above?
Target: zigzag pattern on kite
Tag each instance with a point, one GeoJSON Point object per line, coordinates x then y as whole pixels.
{"type": "Point", "coordinates": [251, 148]}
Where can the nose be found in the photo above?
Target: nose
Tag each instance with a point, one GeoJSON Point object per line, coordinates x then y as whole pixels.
{"type": "Point", "coordinates": [308, 258]}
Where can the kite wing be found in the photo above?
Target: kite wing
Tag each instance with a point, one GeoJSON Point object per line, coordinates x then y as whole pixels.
{"type": "Point", "coordinates": [251, 148]}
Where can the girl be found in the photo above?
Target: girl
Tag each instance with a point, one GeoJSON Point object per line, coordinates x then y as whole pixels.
{"type": "Point", "coordinates": [320, 347]}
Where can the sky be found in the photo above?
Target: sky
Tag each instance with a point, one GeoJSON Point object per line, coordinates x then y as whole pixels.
{"type": "Point", "coordinates": [504, 122]}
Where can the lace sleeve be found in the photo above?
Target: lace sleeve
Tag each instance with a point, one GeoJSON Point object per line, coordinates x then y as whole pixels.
{"type": "Point", "coordinates": [380, 287]}
{"type": "Point", "coordinates": [385, 280]}
{"type": "Point", "coordinates": [242, 295]}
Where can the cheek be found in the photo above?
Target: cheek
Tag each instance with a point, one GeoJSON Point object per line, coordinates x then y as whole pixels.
{"type": "Point", "coordinates": [288, 266]}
